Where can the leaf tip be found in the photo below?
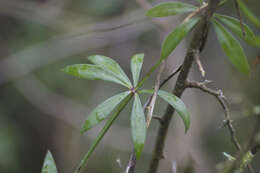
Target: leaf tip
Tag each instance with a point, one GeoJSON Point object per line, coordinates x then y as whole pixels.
{"type": "Point", "coordinates": [187, 124]}
{"type": "Point", "coordinates": [82, 131]}
{"type": "Point", "coordinates": [48, 151]}
{"type": "Point", "coordinates": [138, 150]}
{"type": "Point", "coordinates": [48, 154]}
{"type": "Point", "coordinates": [49, 165]}
{"type": "Point", "coordinates": [186, 129]}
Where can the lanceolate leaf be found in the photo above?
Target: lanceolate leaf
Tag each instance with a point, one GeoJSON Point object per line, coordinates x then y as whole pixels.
{"type": "Point", "coordinates": [232, 48]}
{"type": "Point", "coordinates": [175, 102]}
{"type": "Point", "coordinates": [170, 9]}
{"type": "Point", "coordinates": [108, 64]}
{"type": "Point", "coordinates": [138, 126]}
{"type": "Point", "coordinates": [108, 124]}
{"type": "Point", "coordinates": [103, 110]}
{"type": "Point", "coordinates": [249, 13]}
{"type": "Point", "coordinates": [49, 164]}
{"type": "Point", "coordinates": [234, 25]}
{"type": "Point", "coordinates": [176, 36]}
{"type": "Point", "coordinates": [90, 71]}
{"type": "Point", "coordinates": [136, 66]}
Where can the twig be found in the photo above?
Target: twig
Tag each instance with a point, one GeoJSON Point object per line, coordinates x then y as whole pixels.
{"type": "Point", "coordinates": [163, 83]}
{"type": "Point", "coordinates": [196, 12]}
{"type": "Point", "coordinates": [253, 145]}
{"type": "Point", "coordinates": [131, 163]}
{"type": "Point", "coordinates": [154, 96]}
{"type": "Point", "coordinates": [158, 118]}
{"type": "Point", "coordinates": [223, 102]}
{"type": "Point", "coordinates": [170, 76]}
{"type": "Point", "coordinates": [198, 62]}
{"type": "Point", "coordinates": [240, 18]}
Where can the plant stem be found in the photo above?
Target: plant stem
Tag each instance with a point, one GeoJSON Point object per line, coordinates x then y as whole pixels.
{"type": "Point", "coordinates": [197, 43]}
{"type": "Point", "coordinates": [148, 74]}
{"type": "Point", "coordinates": [108, 124]}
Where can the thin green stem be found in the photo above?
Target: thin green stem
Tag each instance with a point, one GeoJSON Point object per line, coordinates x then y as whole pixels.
{"type": "Point", "coordinates": [148, 74]}
{"type": "Point", "coordinates": [108, 124]}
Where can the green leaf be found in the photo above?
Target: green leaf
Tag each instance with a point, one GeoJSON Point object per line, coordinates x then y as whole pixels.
{"type": "Point", "coordinates": [176, 36]}
{"type": "Point", "coordinates": [108, 64]}
{"type": "Point", "coordinates": [232, 48]}
{"type": "Point", "coordinates": [249, 13]}
{"type": "Point", "coordinates": [176, 103]}
{"type": "Point", "coordinates": [108, 124]}
{"type": "Point", "coordinates": [93, 72]}
{"type": "Point", "coordinates": [49, 164]}
{"type": "Point", "coordinates": [136, 66]}
{"type": "Point", "coordinates": [138, 126]}
{"type": "Point", "coordinates": [234, 25]}
{"type": "Point", "coordinates": [103, 110]}
{"type": "Point", "coordinates": [170, 9]}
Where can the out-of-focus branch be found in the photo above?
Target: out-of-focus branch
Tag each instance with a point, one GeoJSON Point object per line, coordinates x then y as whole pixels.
{"type": "Point", "coordinates": [55, 105]}
{"type": "Point", "coordinates": [45, 14]}
{"type": "Point", "coordinates": [55, 49]}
